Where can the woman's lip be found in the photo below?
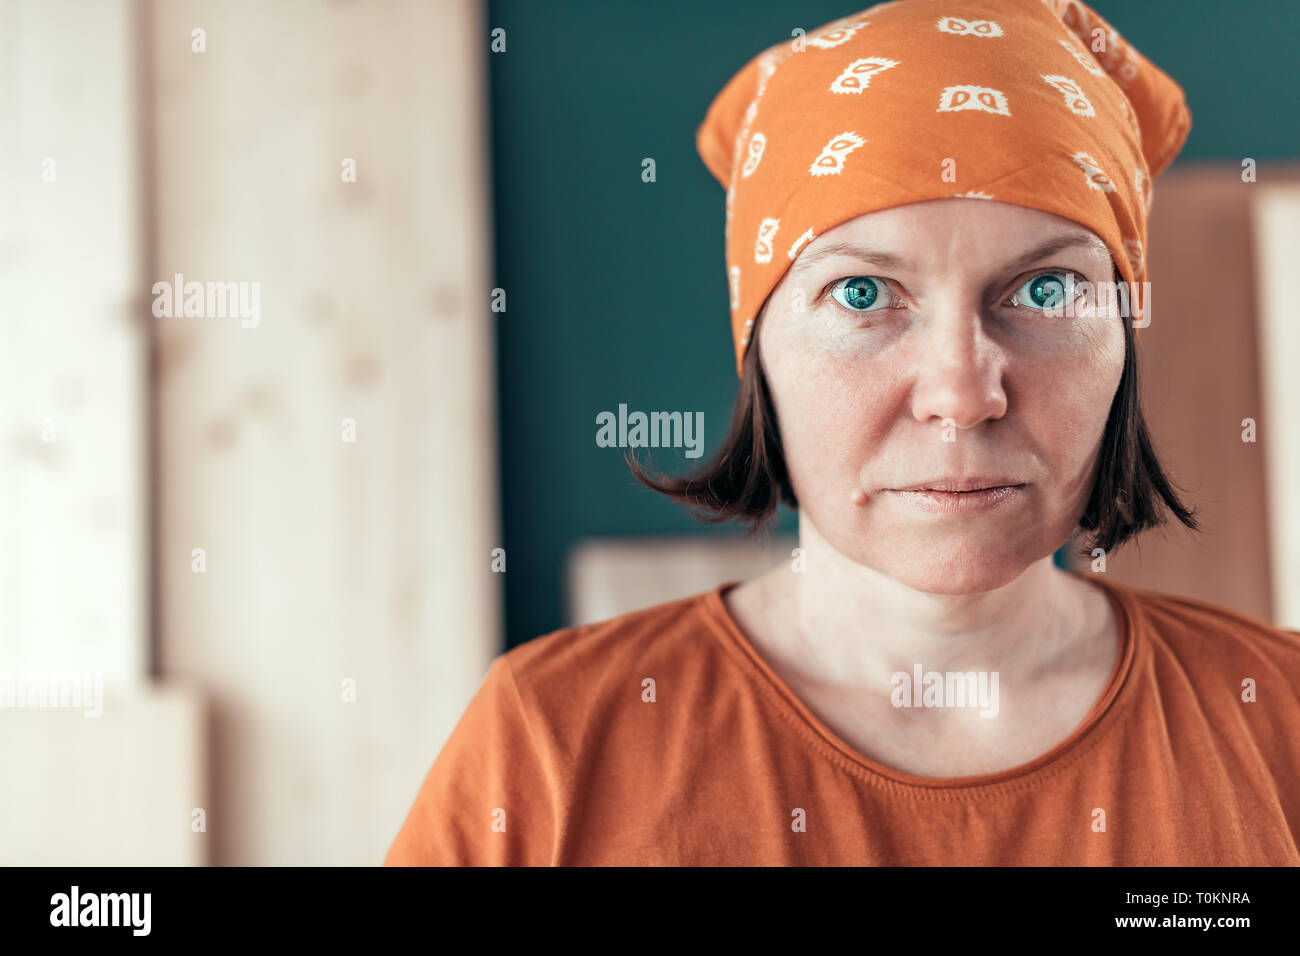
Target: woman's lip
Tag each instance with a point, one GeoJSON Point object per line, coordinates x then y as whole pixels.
{"type": "Point", "coordinates": [961, 484]}
{"type": "Point", "coordinates": [959, 502]}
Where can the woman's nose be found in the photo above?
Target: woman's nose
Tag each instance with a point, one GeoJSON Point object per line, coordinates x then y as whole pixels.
{"type": "Point", "coordinates": [960, 370]}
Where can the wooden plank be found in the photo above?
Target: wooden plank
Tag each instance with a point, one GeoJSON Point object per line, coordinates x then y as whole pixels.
{"type": "Point", "coordinates": [1276, 217]}
{"type": "Point", "coordinates": [72, 379]}
{"type": "Point", "coordinates": [606, 577]}
{"type": "Point", "coordinates": [119, 789]}
{"type": "Point", "coordinates": [326, 560]}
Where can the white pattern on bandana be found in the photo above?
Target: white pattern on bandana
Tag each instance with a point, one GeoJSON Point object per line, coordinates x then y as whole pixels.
{"type": "Point", "coordinates": [756, 145]}
{"type": "Point", "coordinates": [799, 243]}
{"type": "Point", "coordinates": [1097, 178]}
{"type": "Point", "coordinates": [957, 98]}
{"type": "Point", "coordinates": [766, 234]}
{"type": "Point", "coordinates": [1133, 249]}
{"type": "Point", "coordinates": [1074, 98]}
{"type": "Point", "coordinates": [830, 161]}
{"type": "Point", "coordinates": [857, 75]}
{"type": "Point", "coordinates": [830, 39]}
{"type": "Point", "coordinates": [1085, 59]}
{"type": "Point", "coordinates": [974, 28]}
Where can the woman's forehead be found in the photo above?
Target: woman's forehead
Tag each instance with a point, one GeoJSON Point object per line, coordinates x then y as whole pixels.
{"type": "Point", "coordinates": [961, 228]}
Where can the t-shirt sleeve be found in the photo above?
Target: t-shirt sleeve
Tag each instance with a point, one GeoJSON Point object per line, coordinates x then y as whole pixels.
{"type": "Point", "coordinates": [487, 801]}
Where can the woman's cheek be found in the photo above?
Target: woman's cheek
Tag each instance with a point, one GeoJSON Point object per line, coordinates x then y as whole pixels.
{"type": "Point", "coordinates": [1080, 385]}
{"type": "Point", "coordinates": [1066, 407]}
{"type": "Point", "coordinates": [833, 423]}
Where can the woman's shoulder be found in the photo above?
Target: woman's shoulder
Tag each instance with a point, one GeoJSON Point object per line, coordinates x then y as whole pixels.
{"type": "Point", "coordinates": [665, 635]}
{"type": "Point", "coordinates": [1213, 631]}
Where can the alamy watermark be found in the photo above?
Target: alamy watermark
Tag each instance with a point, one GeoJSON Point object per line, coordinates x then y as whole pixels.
{"type": "Point", "coordinates": [77, 908]}
{"type": "Point", "coordinates": [653, 430]}
{"type": "Point", "coordinates": [1083, 298]}
{"type": "Point", "coordinates": [53, 689]}
{"type": "Point", "coordinates": [946, 689]}
{"type": "Point", "coordinates": [212, 300]}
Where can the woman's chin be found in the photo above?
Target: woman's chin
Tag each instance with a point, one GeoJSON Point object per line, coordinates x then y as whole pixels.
{"type": "Point", "coordinates": [960, 578]}
{"type": "Point", "coordinates": [951, 564]}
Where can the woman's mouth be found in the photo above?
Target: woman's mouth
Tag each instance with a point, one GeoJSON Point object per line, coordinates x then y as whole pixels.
{"type": "Point", "coordinates": [937, 501]}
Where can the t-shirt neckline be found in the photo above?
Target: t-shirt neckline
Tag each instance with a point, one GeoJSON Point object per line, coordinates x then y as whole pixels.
{"type": "Point", "coordinates": [1095, 723]}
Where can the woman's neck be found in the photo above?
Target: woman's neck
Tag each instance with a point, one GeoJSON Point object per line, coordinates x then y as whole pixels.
{"type": "Point", "coordinates": [840, 635]}
{"type": "Point", "coordinates": [837, 622]}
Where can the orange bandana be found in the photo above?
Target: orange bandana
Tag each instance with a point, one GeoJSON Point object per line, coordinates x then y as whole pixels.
{"type": "Point", "coordinates": [925, 99]}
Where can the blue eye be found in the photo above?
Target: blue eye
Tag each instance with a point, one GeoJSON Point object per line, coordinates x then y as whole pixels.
{"type": "Point", "coordinates": [861, 294]}
{"type": "Point", "coordinates": [1050, 290]}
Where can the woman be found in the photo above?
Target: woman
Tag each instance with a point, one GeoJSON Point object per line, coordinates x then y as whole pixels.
{"type": "Point", "coordinates": [926, 206]}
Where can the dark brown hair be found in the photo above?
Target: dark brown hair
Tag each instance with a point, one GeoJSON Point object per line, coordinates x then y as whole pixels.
{"type": "Point", "coordinates": [747, 476]}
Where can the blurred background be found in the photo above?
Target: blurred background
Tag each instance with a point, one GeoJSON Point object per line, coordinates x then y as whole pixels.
{"type": "Point", "coordinates": [289, 528]}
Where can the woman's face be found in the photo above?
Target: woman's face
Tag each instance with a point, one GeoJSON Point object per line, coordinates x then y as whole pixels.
{"type": "Point", "coordinates": [915, 345]}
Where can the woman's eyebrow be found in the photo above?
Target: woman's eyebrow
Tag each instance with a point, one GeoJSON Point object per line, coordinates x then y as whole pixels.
{"type": "Point", "coordinates": [887, 260]}
{"type": "Point", "coordinates": [851, 250]}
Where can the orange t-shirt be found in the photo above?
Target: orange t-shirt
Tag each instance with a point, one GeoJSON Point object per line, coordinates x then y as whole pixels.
{"type": "Point", "coordinates": [559, 760]}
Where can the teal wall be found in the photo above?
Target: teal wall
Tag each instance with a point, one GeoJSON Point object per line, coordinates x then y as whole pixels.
{"type": "Point", "coordinates": [616, 289]}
